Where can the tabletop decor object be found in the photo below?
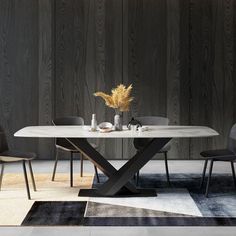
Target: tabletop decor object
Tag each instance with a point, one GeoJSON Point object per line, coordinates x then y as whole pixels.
{"type": "Point", "coordinates": [105, 127]}
{"type": "Point", "coordinates": [119, 100]}
{"type": "Point", "coordinates": [93, 123]}
{"type": "Point", "coordinates": [134, 122]}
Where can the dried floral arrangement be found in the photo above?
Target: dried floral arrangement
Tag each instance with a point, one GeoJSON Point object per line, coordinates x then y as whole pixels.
{"type": "Point", "coordinates": [119, 99]}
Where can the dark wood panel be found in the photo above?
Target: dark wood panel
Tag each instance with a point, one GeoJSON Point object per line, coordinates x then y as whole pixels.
{"type": "Point", "coordinates": [229, 80]}
{"type": "Point", "coordinates": [45, 74]}
{"type": "Point", "coordinates": [223, 81]}
{"type": "Point", "coordinates": [19, 68]}
{"type": "Point", "coordinates": [201, 73]}
{"type": "Point", "coordinates": [218, 80]}
{"type": "Point", "coordinates": [173, 70]}
{"type": "Point", "coordinates": [103, 65]}
{"type": "Point", "coordinates": [147, 56]}
{"type": "Point", "coordinates": [174, 90]}
{"type": "Point", "coordinates": [88, 59]}
{"type": "Point", "coordinates": [146, 62]}
{"type": "Point", "coordinates": [64, 56]}
{"type": "Point", "coordinates": [184, 60]}
{"type": "Point", "coordinates": [69, 35]}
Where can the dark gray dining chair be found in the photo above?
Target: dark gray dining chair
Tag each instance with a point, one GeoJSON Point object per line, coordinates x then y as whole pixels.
{"type": "Point", "coordinates": [10, 156]}
{"type": "Point", "coordinates": [64, 145]}
{"type": "Point", "coordinates": [227, 155]}
{"type": "Point", "coordinates": [140, 143]}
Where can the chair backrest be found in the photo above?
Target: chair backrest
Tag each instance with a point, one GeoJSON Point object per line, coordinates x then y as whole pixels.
{"type": "Point", "coordinates": [153, 120]}
{"type": "Point", "coordinates": [3, 141]}
{"type": "Point", "coordinates": [69, 120]}
{"type": "Point", "coordinates": [232, 139]}
{"type": "Point", "coordinates": [139, 143]}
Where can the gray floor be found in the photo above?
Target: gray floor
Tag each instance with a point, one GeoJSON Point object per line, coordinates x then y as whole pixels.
{"type": "Point", "coordinates": [117, 231]}
{"type": "Point", "coordinates": [152, 167]}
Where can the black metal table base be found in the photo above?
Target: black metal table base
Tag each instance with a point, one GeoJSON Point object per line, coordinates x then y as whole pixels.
{"type": "Point", "coordinates": [144, 192]}
{"type": "Point", "coordinates": [118, 183]}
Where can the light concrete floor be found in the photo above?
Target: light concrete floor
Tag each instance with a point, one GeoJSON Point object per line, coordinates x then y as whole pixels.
{"type": "Point", "coordinates": [154, 166]}
{"type": "Point", "coordinates": [117, 231]}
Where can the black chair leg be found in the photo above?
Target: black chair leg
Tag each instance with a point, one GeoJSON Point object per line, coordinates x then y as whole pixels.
{"type": "Point", "coordinates": [1, 176]}
{"type": "Point", "coordinates": [209, 178]}
{"type": "Point", "coordinates": [81, 165]}
{"type": "Point", "coordinates": [233, 172]}
{"type": "Point", "coordinates": [55, 166]}
{"type": "Point", "coordinates": [26, 180]}
{"type": "Point", "coordinates": [204, 173]}
{"type": "Point", "coordinates": [137, 178]}
{"type": "Point", "coordinates": [32, 175]}
{"type": "Point", "coordinates": [167, 169]}
{"type": "Point", "coordinates": [96, 172]}
{"type": "Point", "coordinates": [71, 169]}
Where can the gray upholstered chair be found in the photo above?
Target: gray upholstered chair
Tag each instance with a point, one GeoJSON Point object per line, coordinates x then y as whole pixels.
{"type": "Point", "coordinates": [140, 143]}
{"type": "Point", "coordinates": [228, 155]}
{"type": "Point", "coordinates": [9, 156]}
{"type": "Point", "coordinates": [64, 145]}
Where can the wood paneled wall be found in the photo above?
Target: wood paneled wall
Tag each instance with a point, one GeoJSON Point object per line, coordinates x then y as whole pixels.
{"type": "Point", "coordinates": [180, 56]}
{"type": "Point", "coordinates": [19, 87]}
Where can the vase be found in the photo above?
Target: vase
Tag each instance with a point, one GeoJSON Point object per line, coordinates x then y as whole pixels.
{"type": "Point", "coordinates": [118, 122]}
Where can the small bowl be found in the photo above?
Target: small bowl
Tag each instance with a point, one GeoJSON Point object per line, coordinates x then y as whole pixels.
{"type": "Point", "coordinates": [105, 127]}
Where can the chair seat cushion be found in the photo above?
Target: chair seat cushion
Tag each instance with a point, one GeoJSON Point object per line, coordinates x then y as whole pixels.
{"type": "Point", "coordinates": [219, 153]}
{"type": "Point", "coordinates": [13, 156]}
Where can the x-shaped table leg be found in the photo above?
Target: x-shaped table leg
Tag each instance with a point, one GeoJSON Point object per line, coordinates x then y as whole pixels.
{"type": "Point", "coordinates": [118, 182]}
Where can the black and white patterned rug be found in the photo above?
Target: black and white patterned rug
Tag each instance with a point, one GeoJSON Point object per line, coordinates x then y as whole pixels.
{"type": "Point", "coordinates": [182, 204]}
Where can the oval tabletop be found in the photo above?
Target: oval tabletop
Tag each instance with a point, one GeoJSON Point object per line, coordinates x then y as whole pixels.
{"type": "Point", "coordinates": [84, 132]}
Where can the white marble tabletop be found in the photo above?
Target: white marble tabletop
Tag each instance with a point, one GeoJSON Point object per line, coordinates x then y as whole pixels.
{"type": "Point", "coordinates": [84, 132]}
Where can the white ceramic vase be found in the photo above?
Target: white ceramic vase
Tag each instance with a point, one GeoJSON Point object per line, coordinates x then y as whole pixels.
{"type": "Point", "coordinates": [118, 122]}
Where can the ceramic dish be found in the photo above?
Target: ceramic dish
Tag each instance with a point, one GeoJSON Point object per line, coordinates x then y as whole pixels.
{"type": "Point", "coordinates": [105, 127]}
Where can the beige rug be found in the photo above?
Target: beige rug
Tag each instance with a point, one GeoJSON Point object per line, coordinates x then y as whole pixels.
{"type": "Point", "coordinates": [14, 204]}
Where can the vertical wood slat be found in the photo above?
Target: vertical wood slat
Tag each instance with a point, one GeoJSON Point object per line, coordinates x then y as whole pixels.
{"type": "Point", "coordinates": [6, 73]}
{"type": "Point", "coordinates": [218, 81]}
{"type": "Point", "coordinates": [113, 66]}
{"type": "Point", "coordinates": [184, 67]}
{"type": "Point", "coordinates": [224, 80]}
{"type": "Point", "coordinates": [201, 71]}
{"type": "Point", "coordinates": [45, 74]}
{"type": "Point", "coordinates": [173, 69]}
{"type": "Point", "coordinates": [229, 80]}
{"type": "Point", "coordinates": [19, 62]}
{"type": "Point", "coordinates": [100, 64]}
{"type": "Point", "coordinates": [64, 100]}
{"type": "Point", "coordinates": [69, 57]}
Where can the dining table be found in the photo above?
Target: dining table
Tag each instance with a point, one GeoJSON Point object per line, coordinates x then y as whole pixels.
{"type": "Point", "coordinates": [119, 182]}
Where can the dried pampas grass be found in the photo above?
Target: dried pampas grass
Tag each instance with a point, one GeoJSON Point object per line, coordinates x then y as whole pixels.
{"type": "Point", "coordinates": [119, 99]}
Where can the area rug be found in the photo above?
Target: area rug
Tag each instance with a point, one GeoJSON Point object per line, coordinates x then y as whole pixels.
{"type": "Point", "coordinates": [182, 204]}
{"type": "Point", "coordinates": [14, 204]}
